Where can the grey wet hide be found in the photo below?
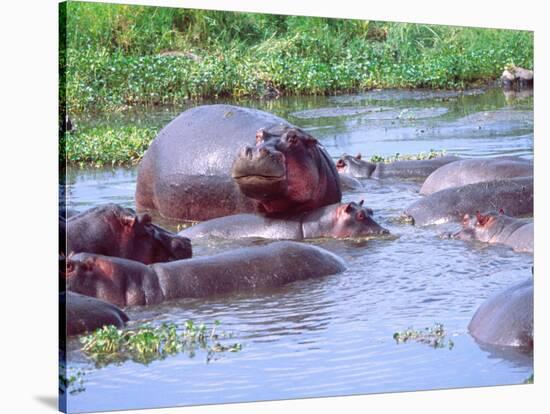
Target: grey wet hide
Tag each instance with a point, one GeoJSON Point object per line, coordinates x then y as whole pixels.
{"type": "Point", "coordinates": [506, 318]}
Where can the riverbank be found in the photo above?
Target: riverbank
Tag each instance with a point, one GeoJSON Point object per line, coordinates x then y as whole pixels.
{"type": "Point", "coordinates": [119, 56]}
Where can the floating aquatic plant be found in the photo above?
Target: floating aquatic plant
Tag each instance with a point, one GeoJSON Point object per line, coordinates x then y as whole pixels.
{"type": "Point", "coordinates": [148, 343]}
{"type": "Point", "coordinates": [434, 336]}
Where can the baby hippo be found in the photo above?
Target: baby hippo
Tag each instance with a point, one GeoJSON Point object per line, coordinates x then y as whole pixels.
{"type": "Point", "coordinates": [406, 169]}
{"type": "Point", "coordinates": [113, 230]}
{"type": "Point", "coordinates": [341, 220]}
{"type": "Point", "coordinates": [495, 227]}
{"type": "Point", "coordinates": [123, 282]}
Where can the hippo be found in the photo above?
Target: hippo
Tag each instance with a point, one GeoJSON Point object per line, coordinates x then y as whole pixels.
{"type": "Point", "coordinates": [513, 195]}
{"type": "Point", "coordinates": [340, 220]}
{"type": "Point", "coordinates": [81, 314]}
{"type": "Point", "coordinates": [493, 227]}
{"type": "Point", "coordinates": [113, 230]}
{"type": "Point", "coordinates": [506, 318]}
{"type": "Point", "coordinates": [218, 160]}
{"type": "Point", "coordinates": [409, 169]}
{"type": "Point", "coordinates": [125, 282]}
{"type": "Point", "coordinates": [475, 170]}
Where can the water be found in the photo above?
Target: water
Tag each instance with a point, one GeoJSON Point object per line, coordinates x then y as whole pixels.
{"type": "Point", "coordinates": [334, 335]}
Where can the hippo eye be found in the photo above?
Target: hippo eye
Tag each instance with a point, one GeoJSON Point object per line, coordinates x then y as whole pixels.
{"type": "Point", "coordinates": [341, 163]}
{"type": "Point", "coordinates": [360, 216]}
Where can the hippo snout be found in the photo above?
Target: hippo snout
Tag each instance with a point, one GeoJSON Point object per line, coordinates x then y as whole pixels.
{"type": "Point", "coordinates": [260, 161]}
{"type": "Point", "coordinates": [181, 248]}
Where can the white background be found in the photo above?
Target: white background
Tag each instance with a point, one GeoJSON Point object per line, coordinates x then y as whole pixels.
{"type": "Point", "coordinates": [28, 137]}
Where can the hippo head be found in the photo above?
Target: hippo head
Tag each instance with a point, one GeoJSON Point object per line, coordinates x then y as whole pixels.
{"type": "Point", "coordinates": [354, 165]}
{"type": "Point", "coordinates": [93, 275]}
{"type": "Point", "coordinates": [148, 243]}
{"type": "Point", "coordinates": [354, 220]}
{"type": "Point", "coordinates": [482, 227]}
{"type": "Point", "coordinates": [287, 171]}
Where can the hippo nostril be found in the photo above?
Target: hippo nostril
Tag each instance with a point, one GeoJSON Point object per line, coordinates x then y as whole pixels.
{"type": "Point", "coordinates": [248, 152]}
{"type": "Point", "coordinates": [263, 152]}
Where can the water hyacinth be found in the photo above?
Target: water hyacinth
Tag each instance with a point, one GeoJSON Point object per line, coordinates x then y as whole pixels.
{"type": "Point", "coordinates": [148, 343]}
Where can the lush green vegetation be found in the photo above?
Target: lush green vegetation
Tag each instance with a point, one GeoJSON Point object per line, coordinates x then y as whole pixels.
{"type": "Point", "coordinates": [435, 336]}
{"type": "Point", "coordinates": [114, 55]}
{"type": "Point", "coordinates": [104, 145]}
{"type": "Point", "coordinates": [148, 343]}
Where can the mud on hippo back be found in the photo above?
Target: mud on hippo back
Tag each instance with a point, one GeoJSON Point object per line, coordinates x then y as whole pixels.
{"type": "Point", "coordinates": [217, 160]}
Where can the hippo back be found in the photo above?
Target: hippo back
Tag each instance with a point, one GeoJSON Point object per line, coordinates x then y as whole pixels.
{"type": "Point", "coordinates": [205, 140]}
{"type": "Point", "coordinates": [506, 318]}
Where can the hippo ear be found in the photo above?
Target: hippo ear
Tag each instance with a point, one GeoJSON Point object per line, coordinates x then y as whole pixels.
{"type": "Point", "coordinates": [69, 266]}
{"type": "Point", "coordinates": [260, 135]}
{"type": "Point", "coordinates": [144, 218]}
{"type": "Point", "coordinates": [358, 156]}
{"type": "Point", "coordinates": [348, 208]}
{"type": "Point", "coordinates": [501, 211]}
{"type": "Point", "coordinates": [361, 202]}
{"type": "Point", "coordinates": [481, 219]}
{"type": "Point", "coordinates": [129, 220]}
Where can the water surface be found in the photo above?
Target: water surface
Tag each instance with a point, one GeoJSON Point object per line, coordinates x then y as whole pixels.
{"type": "Point", "coordinates": [333, 335]}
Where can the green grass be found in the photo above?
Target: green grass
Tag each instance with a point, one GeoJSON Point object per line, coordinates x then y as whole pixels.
{"type": "Point", "coordinates": [101, 146]}
{"type": "Point", "coordinates": [113, 55]}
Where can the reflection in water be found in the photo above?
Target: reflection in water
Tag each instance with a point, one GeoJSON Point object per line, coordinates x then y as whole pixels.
{"type": "Point", "coordinates": [333, 335]}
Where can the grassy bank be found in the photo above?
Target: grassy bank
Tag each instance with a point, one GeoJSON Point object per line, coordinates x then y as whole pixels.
{"type": "Point", "coordinates": [115, 55]}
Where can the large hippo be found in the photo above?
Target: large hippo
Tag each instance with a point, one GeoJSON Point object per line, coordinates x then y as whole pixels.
{"type": "Point", "coordinates": [409, 169]}
{"type": "Point", "coordinates": [113, 230]}
{"type": "Point", "coordinates": [85, 314]}
{"type": "Point", "coordinates": [514, 195]}
{"type": "Point", "coordinates": [341, 220]}
{"type": "Point", "coordinates": [125, 282]}
{"type": "Point", "coordinates": [217, 160]}
{"type": "Point", "coordinates": [471, 171]}
{"type": "Point", "coordinates": [506, 318]}
{"type": "Point", "coordinates": [495, 227]}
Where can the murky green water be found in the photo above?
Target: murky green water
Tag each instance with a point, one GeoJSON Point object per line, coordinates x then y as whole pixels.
{"type": "Point", "coordinates": [333, 336]}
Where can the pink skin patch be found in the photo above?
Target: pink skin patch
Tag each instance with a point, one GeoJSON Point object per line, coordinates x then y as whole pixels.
{"type": "Point", "coordinates": [303, 181]}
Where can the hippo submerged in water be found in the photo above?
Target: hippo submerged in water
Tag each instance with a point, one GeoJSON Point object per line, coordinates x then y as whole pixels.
{"type": "Point", "coordinates": [515, 196]}
{"type": "Point", "coordinates": [471, 171]}
{"type": "Point", "coordinates": [85, 314]}
{"type": "Point", "coordinates": [409, 169]}
{"type": "Point", "coordinates": [218, 160]}
{"type": "Point", "coordinates": [126, 282]}
{"type": "Point", "coordinates": [339, 220]}
{"type": "Point", "coordinates": [113, 230]}
{"type": "Point", "coordinates": [506, 318]}
{"type": "Point", "coordinates": [495, 227]}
